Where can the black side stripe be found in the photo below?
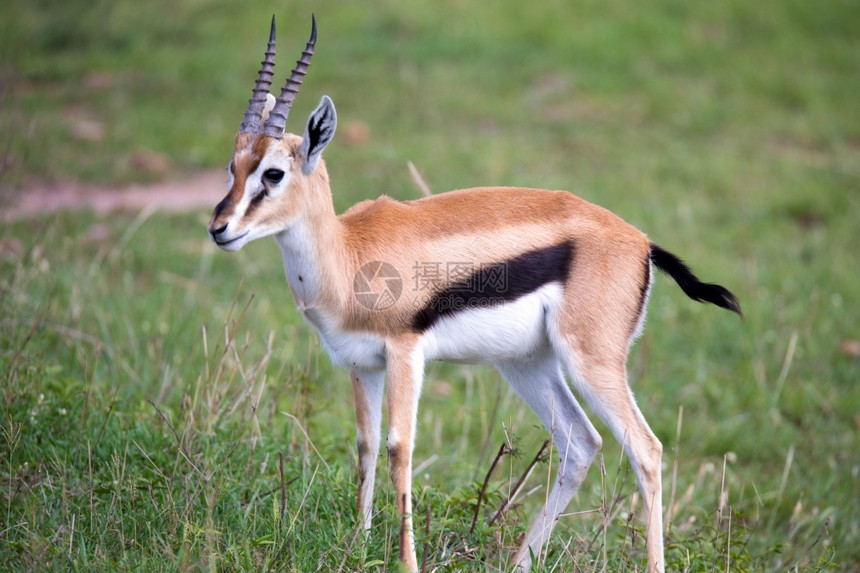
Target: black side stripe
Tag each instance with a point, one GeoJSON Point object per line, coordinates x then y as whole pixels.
{"type": "Point", "coordinates": [498, 283]}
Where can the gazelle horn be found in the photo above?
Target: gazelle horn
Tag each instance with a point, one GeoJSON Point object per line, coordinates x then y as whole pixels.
{"type": "Point", "coordinates": [277, 120]}
{"type": "Point", "coordinates": [254, 113]}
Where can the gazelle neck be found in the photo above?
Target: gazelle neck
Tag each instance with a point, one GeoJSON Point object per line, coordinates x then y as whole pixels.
{"type": "Point", "coordinates": [312, 250]}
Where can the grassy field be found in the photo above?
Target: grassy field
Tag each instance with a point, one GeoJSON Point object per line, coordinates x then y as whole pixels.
{"type": "Point", "coordinates": [163, 406]}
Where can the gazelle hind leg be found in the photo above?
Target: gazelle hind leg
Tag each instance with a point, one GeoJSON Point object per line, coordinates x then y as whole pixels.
{"type": "Point", "coordinates": [541, 384]}
{"type": "Point", "coordinates": [603, 383]}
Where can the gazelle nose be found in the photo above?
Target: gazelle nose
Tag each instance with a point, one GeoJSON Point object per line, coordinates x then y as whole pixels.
{"type": "Point", "coordinates": [215, 232]}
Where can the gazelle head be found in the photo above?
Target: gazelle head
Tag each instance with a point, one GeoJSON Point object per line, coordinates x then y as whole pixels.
{"type": "Point", "coordinates": [272, 172]}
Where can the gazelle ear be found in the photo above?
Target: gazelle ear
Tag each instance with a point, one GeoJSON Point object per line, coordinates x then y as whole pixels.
{"type": "Point", "coordinates": [270, 103]}
{"type": "Point", "coordinates": [318, 132]}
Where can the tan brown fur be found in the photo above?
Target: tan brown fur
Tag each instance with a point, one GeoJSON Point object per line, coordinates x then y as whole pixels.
{"type": "Point", "coordinates": [479, 225]}
{"type": "Point", "coordinates": [589, 316]}
{"type": "Point", "coordinates": [483, 225]}
{"type": "Point", "coordinates": [576, 301]}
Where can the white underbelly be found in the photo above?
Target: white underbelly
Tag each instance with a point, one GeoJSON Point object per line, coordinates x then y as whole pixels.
{"type": "Point", "coordinates": [495, 332]}
{"type": "Point", "coordinates": [487, 334]}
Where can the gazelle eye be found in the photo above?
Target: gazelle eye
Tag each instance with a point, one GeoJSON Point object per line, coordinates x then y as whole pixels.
{"type": "Point", "coordinates": [273, 175]}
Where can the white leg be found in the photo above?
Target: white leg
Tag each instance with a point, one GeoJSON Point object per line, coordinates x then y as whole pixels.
{"type": "Point", "coordinates": [368, 389]}
{"type": "Point", "coordinates": [539, 381]}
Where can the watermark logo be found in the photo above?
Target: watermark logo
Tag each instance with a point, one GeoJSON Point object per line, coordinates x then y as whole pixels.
{"type": "Point", "coordinates": [474, 279]}
{"type": "Point", "coordinates": [377, 285]}
{"type": "Point", "coordinates": [440, 286]}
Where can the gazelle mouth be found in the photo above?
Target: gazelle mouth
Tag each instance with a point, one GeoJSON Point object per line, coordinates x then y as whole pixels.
{"type": "Point", "coordinates": [221, 243]}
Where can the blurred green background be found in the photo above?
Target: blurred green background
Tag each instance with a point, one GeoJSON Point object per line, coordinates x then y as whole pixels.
{"type": "Point", "coordinates": [728, 131]}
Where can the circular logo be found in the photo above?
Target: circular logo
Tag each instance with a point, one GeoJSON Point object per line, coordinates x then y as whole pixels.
{"type": "Point", "coordinates": [377, 285]}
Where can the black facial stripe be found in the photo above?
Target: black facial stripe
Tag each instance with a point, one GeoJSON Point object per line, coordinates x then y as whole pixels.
{"type": "Point", "coordinates": [226, 203]}
{"type": "Point", "coordinates": [254, 203]}
{"type": "Point", "coordinates": [498, 283]}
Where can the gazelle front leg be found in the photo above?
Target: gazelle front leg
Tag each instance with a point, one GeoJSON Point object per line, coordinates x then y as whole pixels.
{"type": "Point", "coordinates": [405, 375]}
{"type": "Point", "coordinates": [367, 388]}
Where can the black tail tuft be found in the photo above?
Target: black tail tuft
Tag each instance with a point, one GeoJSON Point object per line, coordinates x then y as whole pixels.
{"type": "Point", "coordinates": [690, 284]}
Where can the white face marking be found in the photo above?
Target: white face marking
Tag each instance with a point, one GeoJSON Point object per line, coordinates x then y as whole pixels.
{"type": "Point", "coordinates": [263, 176]}
{"type": "Point", "coordinates": [258, 182]}
{"type": "Point", "coordinates": [242, 229]}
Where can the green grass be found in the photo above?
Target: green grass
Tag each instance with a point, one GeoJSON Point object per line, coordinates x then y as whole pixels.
{"type": "Point", "coordinates": [150, 382]}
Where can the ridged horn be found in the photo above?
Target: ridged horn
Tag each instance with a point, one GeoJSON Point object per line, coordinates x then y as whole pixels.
{"type": "Point", "coordinates": [254, 113]}
{"type": "Point", "coordinates": [277, 120]}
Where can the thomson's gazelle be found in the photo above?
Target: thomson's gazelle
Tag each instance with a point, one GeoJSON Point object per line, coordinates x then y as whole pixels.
{"type": "Point", "coordinates": [546, 287]}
